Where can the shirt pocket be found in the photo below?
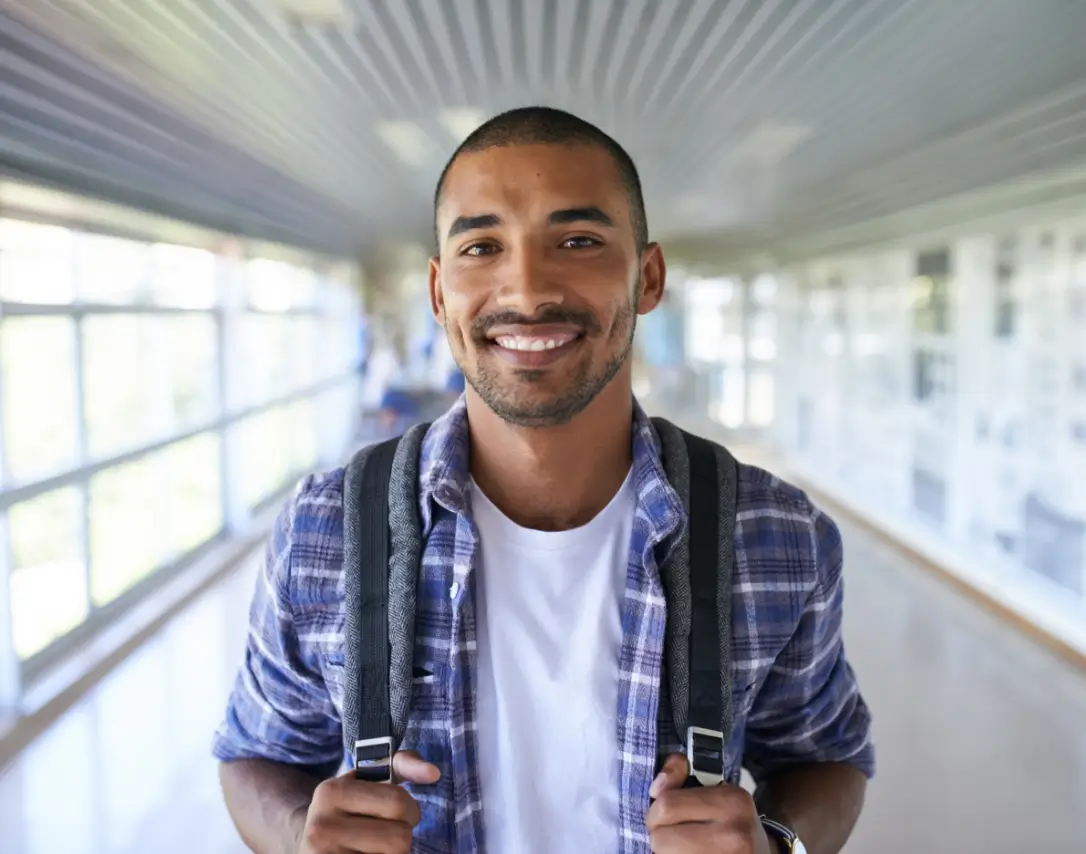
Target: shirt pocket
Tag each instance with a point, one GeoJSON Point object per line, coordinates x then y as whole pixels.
{"type": "Point", "coordinates": [334, 670]}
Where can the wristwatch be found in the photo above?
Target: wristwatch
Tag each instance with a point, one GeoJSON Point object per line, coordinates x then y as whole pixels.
{"type": "Point", "coordinates": [786, 838]}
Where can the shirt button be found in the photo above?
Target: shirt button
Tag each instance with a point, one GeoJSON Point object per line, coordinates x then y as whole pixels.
{"type": "Point", "coordinates": [454, 589]}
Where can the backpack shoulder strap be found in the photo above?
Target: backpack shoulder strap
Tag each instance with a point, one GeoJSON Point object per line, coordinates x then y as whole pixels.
{"type": "Point", "coordinates": [699, 597]}
{"type": "Point", "coordinates": [712, 526]}
{"type": "Point", "coordinates": [381, 549]}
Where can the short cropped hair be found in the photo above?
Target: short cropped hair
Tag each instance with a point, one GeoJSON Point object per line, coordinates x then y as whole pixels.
{"type": "Point", "coordinates": [549, 126]}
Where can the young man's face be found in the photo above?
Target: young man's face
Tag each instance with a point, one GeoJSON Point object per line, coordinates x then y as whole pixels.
{"type": "Point", "coordinates": [539, 280]}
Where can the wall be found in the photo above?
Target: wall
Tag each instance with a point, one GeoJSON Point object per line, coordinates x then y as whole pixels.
{"type": "Point", "coordinates": [940, 390]}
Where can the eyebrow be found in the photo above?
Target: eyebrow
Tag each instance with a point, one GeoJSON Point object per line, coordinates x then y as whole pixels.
{"type": "Point", "coordinates": [560, 217]}
{"type": "Point", "coordinates": [588, 214]}
{"type": "Point", "coordinates": [472, 223]}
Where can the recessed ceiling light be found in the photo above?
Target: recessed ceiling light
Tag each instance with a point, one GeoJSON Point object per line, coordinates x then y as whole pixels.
{"type": "Point", "coordinates": [769, 144]}
{"type": "Point", "coordinates": [407, 141]}
{"type": "Point", "coordinates": [461, 121]}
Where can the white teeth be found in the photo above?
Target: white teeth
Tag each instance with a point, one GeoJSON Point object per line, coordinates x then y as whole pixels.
{"type": "Point", "coordinates": [510, 342]}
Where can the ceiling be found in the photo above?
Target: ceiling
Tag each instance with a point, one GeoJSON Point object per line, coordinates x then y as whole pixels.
{"type": "Point", "coordinates": [751, 121]}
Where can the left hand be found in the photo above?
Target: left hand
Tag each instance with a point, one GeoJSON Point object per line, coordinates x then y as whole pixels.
{"type": "Point", "coordinates": [717, 820]}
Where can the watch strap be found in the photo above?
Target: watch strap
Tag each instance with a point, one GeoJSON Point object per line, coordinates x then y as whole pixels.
{"type": "Point", "coordinates": [784, 835]}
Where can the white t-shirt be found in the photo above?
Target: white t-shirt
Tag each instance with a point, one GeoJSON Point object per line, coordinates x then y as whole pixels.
{"type": "Point", "coordinates": [549, 615]}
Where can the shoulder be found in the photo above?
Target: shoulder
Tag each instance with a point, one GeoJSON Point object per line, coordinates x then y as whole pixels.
{"type": "Point", "coordinates": [316, 507]}
{"type": "Point", "coordinates": [308, 533]}
{"type": "Point", "coordinates": [780, 530]}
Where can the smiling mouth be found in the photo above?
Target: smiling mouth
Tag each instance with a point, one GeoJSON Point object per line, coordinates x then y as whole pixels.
{"type": "Point", "coordinates": [534, 348]}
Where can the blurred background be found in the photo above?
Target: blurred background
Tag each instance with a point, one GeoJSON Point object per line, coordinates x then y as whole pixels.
{"type": "Point", "coordinates": [214, 230]}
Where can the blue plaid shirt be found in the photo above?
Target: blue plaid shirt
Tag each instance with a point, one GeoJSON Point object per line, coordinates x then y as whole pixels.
{"type": "Point", "coordinates": [795, 697]}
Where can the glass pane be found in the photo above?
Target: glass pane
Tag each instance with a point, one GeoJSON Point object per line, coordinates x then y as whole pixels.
{"type": "Point", "coordinates": [112, 270]}
{"type": "Point", "coordinates": [264, 442]}
{"type": "Point", "coordinates": [305, 346]}
{"type": "Point", "coordinates": [264, 357]}
{"type": "Point", "coordinates": [762, 399]}
{"type": "Point", "coordinates": [49, 580]}
{"type": "Point", "coordinates": [127, 403]}
{"type": "Point", "coordinates": [193, 486]}
{"type": "Point", "coordinates": [303, 436]}
{"type": "Point", "coordinates": [35, 263]}
{"type": "Point", "coordinates": [340, 342]}
{"type": "Point", "coordinates": [128, 535]}
{"type": "Point", "coordinates": [37, 375]}
{"type": "Point", "coordinates": [192, 355]}
{"type": "Point", "coordinates": [270, 285]}
{"type": "Point", "coordinates": [182, 276]}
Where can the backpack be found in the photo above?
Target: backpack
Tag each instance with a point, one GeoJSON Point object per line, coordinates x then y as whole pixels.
{"type": "Point", "coordinates": [383, 548]}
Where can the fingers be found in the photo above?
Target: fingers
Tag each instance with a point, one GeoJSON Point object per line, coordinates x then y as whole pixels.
{"type": "Point", "coordinates": [672, 776]}
{"type": "Point", "coordinates": [409, 767]}
{"type": "Point", "coordinates": [358, 835]}
{"type": "Point", "coordinates": [347, 794]}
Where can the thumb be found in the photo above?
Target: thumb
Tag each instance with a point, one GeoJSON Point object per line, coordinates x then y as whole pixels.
{"type": "Point", "coordinates": [409, 767]}
{"type": "Point", "coordinates": [672, 776]}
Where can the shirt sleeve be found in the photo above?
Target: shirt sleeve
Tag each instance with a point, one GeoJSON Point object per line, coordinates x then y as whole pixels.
{"type": "Point", "coordinates": [810, 708]}
{"type": "Point", "coordinates": [280, 708]}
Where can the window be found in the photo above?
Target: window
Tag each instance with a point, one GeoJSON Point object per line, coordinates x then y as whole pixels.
{"type": "Point", "coordinates": [49, 578]}
{"type": "Point", "coordinates": [264, 355]}
{"type": "Point", "coordinates": [931, 293]}
{"type": "Point", "coordinates": [126, 399]}
{"type": "Point", "coordinates": [128, 533]}
{"type": "Point", "coordinates": [36, 263]}
{"type": "Point", "coordinates": [192, 354]}
{"type": "Point", "coordinates": [112, 271]}
{"type": "Point", "coordinates": [272, 285]}
{"type": "Point", "coordinates": [111, 355]}
{"type": "Point", "coordinates": [1006, 269]}
{"type": "Point", "coordinates": [192, 481]}
{"type": "Point", "coordinates": [182, 277]}
{"type": "Point", "coordinates": [40, 413]}
{"type": "Point", "coordinates": [146, 377]}
{"type": "Point", "coordinates": [263, 441]}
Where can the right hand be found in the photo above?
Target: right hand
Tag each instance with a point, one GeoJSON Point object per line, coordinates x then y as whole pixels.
{"type": "Point", "coordinates": [351, 815]}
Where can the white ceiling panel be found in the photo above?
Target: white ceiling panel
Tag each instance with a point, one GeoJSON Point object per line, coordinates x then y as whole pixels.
{"type": "Point", "coordinates": [756, 120]}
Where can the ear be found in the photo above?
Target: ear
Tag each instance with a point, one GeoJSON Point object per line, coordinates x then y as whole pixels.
{"type": "Point", "coordinates": [437, 298]}
{"type": "Point", "coordinates": [653, 276]}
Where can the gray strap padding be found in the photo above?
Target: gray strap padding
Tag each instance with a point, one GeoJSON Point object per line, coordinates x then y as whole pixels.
{"type": "Point", "coordinates": [728, 476]}
{"type": "Point", "coordinates": [404, 561]}
{"type": "Point", "coordinates": [675, 576]}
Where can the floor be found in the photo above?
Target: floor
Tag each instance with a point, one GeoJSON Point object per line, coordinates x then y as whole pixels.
{"type": "Point", "coordinates": [981, 734]}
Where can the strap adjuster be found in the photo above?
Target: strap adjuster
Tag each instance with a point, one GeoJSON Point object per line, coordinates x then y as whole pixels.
{"type": "Point", "coordinates": [705, 753]}
{"type": "Point", "coordinates": [373, 759]}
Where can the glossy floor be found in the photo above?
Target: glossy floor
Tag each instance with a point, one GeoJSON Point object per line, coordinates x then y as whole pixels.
{"type": "Point", "coordinates": [981, 735]}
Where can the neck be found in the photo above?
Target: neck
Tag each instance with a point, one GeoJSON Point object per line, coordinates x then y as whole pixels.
{"type": "Point", "coordinates": [554, 478]}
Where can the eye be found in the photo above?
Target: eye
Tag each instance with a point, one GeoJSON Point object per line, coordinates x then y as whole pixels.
{"type": "Point", "coordinates": [478, 250]}
{"type": "Point", "coordinates": [580, 242]}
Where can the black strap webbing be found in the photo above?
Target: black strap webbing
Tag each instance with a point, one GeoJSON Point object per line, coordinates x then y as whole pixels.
{"type": "Point", "coordinates": [374, 714]}
{"type": "Point", "coordinates": [705, 660]}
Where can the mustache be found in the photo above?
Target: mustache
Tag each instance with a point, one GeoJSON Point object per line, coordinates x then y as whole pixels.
{"type": "Point", "coordinates": [556, 314]}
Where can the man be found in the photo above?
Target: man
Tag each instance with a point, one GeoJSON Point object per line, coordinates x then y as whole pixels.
{"type": "Point", "coordinates": [546, 510]}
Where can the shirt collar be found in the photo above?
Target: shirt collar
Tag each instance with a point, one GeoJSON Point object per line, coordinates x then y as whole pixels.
{"type": "Point", "coordinates": [444, 476]}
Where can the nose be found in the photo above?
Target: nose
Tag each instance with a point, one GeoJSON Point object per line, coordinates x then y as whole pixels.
{"type": "Point", "coordinates": [527, 286]}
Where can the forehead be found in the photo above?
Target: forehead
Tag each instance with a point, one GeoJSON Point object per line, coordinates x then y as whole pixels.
{"type": "Point", "coordinates": [520, 177]}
